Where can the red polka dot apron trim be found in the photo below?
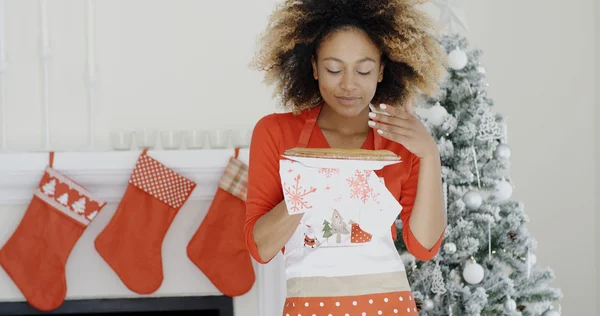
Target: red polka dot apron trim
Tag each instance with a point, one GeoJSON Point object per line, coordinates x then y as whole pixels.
{"type": "Point", "coordinates": [394, 303]}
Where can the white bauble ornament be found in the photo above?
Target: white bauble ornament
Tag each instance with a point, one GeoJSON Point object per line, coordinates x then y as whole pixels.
{"type": "Point", "coordinates": [472, 200]}
{"type": "Point", "coordinates": [502, 152]}
{"type": "Point", "coordinates": [532, 259]}
{"type": "Point", "coordinates": [503, 190]}
{"type": "Point", "coordinates": [450, 248]}
{"type": "Point", "coordinates": [427, 305]}
{"type": "Point", "coordinates": [473, 272]}
{"type": "Point", "coordinates": [481, 70]}
{"type": "Point", "coordinates": [510, 304]}
{"type": "Point", "coordinates": [551, 312]}
{"type": "Point", "coordinates": [457, 59]}
{"type": "Point", "coordinates": [437, 114]}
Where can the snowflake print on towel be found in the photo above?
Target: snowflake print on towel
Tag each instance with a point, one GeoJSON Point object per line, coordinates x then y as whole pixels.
{"type": "Point", "coordinates": [360, 188]}
{"type": "Point", "coordinates": [329, 172]}
{"type": "Point", "coordinates": [296, 195]}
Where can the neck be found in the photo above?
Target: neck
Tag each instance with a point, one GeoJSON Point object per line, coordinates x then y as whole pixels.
{"type": "Point", "coordinates": [331, 120]}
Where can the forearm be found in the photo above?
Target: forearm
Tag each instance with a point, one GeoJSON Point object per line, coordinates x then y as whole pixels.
{"type": "Point", "coordinates": [273, 230]}
{"type": "Point", "coordinates": [428, 216]}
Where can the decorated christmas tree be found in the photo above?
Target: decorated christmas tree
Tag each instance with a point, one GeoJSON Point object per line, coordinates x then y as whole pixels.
{"type": "Point", "coordinates": [487, 263]}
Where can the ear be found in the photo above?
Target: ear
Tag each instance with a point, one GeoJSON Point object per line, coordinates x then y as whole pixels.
{"type": "Point", "coordinates": [381, 68]}
{"type": "Point", "coordinates": [314, 66]}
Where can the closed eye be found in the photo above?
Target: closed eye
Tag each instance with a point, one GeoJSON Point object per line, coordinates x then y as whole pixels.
{"type": "Point", "coordinates": [338, 71]}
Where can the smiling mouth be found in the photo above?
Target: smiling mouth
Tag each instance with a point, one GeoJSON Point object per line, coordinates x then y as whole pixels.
{"type": "Point", "coordinates": [348, 101]}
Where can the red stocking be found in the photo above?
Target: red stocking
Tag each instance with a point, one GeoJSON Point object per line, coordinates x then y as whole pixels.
{"type": "Point", "coordinates": [36, 254]}
{"type": "Point", "coordinates": [131, 243]}
{"type": "Point", "coordinates": [217, 247]}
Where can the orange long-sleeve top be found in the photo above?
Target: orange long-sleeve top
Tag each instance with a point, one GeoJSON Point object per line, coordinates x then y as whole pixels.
{"type": "Point", "coordinates": [277, 132]}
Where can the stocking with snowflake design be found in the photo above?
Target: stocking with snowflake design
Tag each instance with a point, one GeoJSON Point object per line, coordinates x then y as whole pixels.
{"type": "Point", "coordinates": [217, 248]}
{"type": "Point", "coordinates": [35, 255]}
{"type": "Point", "coordinates": [131, 243]}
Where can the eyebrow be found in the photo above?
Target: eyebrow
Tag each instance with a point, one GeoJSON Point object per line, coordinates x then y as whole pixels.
{"type": "Point", "coordinates": [358, 61]}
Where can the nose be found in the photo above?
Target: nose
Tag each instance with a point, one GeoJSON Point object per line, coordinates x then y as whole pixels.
{"type": "Point", "coordinates": [348, 82]}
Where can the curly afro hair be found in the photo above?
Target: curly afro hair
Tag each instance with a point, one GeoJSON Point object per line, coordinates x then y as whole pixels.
{"type": "Point", "coordinates": [414, 59]}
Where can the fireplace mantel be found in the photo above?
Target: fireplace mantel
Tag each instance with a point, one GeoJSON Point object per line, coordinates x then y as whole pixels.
{"type": "Point", "coordinates": [106, 174]}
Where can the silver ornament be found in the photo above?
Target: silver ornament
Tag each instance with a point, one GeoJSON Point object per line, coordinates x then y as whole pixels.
{"type": "Point", "coordinates": [437, 114]}
{"type": "Point", "coordinates": [457, 59]}
{"type": "Point", "coordinates": [450, 248]}
{"type": "Point", "coordinates": [427, 305]}
{"type": "Point", "coordinates": [473, 272]}
{"type": "Point", "coordinates": [551, 312]}
{"type": "Point", "coordinates": [502, 152]}
{"type": "Point", "coordinates": [503, 190]}
{"type": "Point", "coordinates": [510, 304]}
{"type": "Point", "coordinates": [437, 285]}
{"type": "Point", "coordinates": [472, 200]}
{"type": "Point", "coordinates": [532, 259]}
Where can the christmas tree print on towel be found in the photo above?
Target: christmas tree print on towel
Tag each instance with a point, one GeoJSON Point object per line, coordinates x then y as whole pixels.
{"type": "Point", "coordinates": [338, 226]}
{"type": "Point", "coordinates": [358, 235]}
{"type": "Point", "coordinates": [295, 196]}
{"type": "Point", "coordinates": [326, 230]}
{"type": "Point", "coordinates": [360, 188]}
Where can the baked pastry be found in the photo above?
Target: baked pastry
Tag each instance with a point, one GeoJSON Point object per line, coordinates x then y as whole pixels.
{"type": "Point", "coordinates": [343, 153]}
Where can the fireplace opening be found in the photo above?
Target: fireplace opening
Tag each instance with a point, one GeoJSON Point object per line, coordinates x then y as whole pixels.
{"type": "Point", "coordinates": [212, 312]}
{"type": "Point", "coordinates": [188, 305]}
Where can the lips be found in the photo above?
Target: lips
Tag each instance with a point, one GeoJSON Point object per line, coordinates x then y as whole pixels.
{"type": "Point", "coordinates": [348, 100]}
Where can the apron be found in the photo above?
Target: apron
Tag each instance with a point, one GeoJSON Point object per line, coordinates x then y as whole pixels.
{"type": "Point", "coordinates": [341, 259]}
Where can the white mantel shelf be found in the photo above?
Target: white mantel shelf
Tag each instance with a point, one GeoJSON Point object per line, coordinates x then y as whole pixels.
{"type": "Point", "coordinates": [105, 173]}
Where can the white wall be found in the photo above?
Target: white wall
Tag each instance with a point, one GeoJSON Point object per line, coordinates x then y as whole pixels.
{"type": "Point", "coordinates": [168, 64]}
{"type": "Point", "coordinates": [597, 112]}
{"type": "Point", "coordinates": [185, 63]}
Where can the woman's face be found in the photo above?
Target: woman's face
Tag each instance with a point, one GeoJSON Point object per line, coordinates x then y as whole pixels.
{"type": "Point", "coordinates": [348, 68]}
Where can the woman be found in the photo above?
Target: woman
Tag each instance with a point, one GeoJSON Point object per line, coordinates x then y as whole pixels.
{"type": "Point", "coordinates": [330, 60]}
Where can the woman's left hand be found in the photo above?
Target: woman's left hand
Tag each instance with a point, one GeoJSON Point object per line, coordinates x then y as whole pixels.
{"type": "Point", "coordinates": [402, 126]}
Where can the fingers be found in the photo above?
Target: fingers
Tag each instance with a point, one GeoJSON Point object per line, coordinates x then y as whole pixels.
{"type": "Point", "coordinates": [400, 129]}
{"type": "Point", "coordinates": [398, 138]}
{"type": "Point", "coordinates": [399, 112]}
{"type": "Point", "coordinates": [390, 120]}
